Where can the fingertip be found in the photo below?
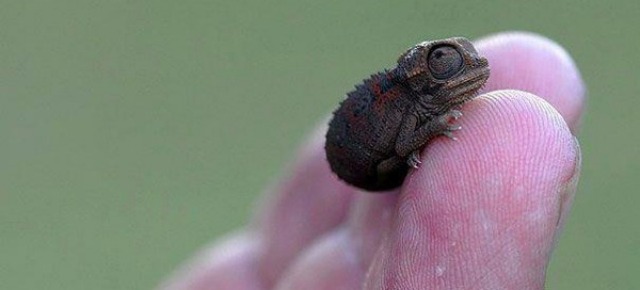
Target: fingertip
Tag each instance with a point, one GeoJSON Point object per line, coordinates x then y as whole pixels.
{"type": "Point", "coordinates": [493, 198]}
{"type": "Point", "coordinates": [536, 64]}
{"type": "Point", "coordinates": [330, 263]}
{"type": "Point", "coordinates": [227, 264]}
{"type": "Point", "coordinates": [512, 132]}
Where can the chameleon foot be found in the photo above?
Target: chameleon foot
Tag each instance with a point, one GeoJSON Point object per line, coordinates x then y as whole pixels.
{"type": "Point", "coordinates": [449, 129]}
{"type": "Point", "coordinates": [449, 132]}
{"type": "Point", "coordinates": [454, 114]}
{"type": "Point", "coordinates": [414, 159]}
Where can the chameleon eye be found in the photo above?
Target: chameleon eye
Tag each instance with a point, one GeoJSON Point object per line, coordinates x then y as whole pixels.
{"type": "Point", "coordinates": [444, 62]}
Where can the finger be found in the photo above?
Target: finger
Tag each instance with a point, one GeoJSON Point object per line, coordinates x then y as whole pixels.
{"type": "Point", "coordinates": [229, 264]}
{"type": "Point", "coordinates": [328, 264]}
{"type": "Point", "coordinates": [482, 213]}
{"type": "Point", "coordinates": [304, 205]}
{"type": "Point", "coordinates": [340, 260]}
{"type": "Point", "coordinates": [533, 63]}
{"type": "Point", "coordinates": [294, 213]}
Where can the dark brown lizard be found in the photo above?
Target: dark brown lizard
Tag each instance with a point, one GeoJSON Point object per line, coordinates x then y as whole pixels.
{"type": "Point", "coordinates": [376, 133]}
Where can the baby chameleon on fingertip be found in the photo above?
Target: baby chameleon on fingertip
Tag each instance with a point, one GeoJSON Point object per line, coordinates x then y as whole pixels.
{"type": "Point", "coordinates": [377, 132]}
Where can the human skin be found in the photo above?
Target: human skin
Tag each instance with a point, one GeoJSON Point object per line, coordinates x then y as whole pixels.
{"type": "Point", "coordinates": [483, 212]}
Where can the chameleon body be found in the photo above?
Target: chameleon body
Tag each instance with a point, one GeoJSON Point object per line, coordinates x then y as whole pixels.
{"type": "Point", "coordinates": [377, 132]}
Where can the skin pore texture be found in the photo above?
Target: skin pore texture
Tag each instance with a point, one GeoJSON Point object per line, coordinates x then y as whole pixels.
{"type": "Point", "coordinates": [481, 213]}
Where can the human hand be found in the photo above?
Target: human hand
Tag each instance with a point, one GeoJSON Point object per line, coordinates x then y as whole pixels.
{"type": "Point", "coordinates": [480, 213]}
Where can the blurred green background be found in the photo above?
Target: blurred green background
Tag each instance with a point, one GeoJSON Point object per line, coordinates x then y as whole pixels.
{"type": "Point", "coordinates": [134, 132]}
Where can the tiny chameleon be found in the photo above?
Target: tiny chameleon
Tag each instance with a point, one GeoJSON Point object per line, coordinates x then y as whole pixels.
{"type": "Point", "coordinates": [376, 133]}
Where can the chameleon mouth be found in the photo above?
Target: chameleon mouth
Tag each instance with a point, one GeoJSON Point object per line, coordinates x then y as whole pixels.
{"type": "Point", "coordinates": [469, 87]}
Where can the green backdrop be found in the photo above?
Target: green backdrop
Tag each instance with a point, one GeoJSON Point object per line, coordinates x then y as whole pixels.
{"type": "Point", "coordinates": [134, 132]}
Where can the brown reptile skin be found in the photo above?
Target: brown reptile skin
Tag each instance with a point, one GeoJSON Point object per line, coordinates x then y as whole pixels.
{"type": "Point", "coordinates": [377, 132]}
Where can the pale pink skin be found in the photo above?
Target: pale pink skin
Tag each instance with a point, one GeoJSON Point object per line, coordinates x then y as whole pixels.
{"type": "Point", "coordinates": [483, 212]}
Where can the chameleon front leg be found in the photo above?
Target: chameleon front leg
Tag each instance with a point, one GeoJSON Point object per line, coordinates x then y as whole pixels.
{"type": "Point", "coordinates": [413, 135]}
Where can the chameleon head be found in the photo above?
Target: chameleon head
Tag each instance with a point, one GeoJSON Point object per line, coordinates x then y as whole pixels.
{"type": "Point", "coordinates": [449, 70]}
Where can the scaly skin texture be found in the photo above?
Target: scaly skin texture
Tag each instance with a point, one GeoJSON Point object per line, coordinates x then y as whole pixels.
{"type": "Point", "coordinates": [376, 133]}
